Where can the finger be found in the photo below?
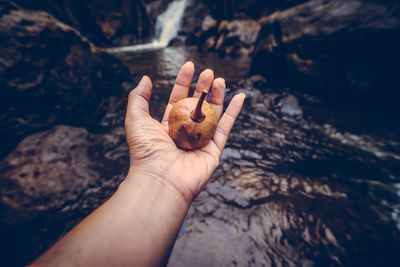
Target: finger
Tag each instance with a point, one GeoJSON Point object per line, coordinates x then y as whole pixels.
{"type": "Point", "coordinates": [181, 87]}
{"type": "Point", "coordinates": [228, 119]}
{"type": "Point", "coordinates": [217, 96]}
{"type": "Point", "coordinates": [138, 99]}
{"type": "Point", "coordinates": [204, 83]}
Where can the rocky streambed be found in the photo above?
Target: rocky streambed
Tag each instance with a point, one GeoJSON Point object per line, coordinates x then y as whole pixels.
{"type": "Point", "coordinates": [310, 176]}
{"type": "Point", "coordinates": [291, 190]}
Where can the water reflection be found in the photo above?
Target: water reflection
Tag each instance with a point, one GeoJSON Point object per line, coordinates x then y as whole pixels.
{"type": "Point", "coordinates": [164, 64]}
{"type": "Point", "coordinates": [293, 192]}
{"type": "Point", "coordinates": [290, 191]}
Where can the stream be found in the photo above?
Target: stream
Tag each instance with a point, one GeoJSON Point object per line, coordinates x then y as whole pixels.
{"type": "Point", "coordinates": [303, 181]}
{"type": "Point", "coordinates": [292, 189]}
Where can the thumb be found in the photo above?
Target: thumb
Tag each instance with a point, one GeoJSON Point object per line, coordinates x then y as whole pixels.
{"type": "Point", "coordinates": [138, 100]}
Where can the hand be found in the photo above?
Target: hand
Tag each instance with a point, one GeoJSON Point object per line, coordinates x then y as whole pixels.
{"type": "Point", "coordinates": [160, 186]}
{"type": "Point", "coordinates": [154, 154]}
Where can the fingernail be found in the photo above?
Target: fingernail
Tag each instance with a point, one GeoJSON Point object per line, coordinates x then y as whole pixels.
{"type": "Point", "coordinates": [145, 80]}
{"type": "Point", "coordinates": [209, 70]}
{"type": "Point", "coordinates": [189, 63]}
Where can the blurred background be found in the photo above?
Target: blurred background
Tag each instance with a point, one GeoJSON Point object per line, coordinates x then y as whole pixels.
{"type": "Point", "coordinates": [311, 174]}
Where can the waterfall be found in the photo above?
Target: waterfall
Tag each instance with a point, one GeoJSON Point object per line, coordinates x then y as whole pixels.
{"type": "Point", "coordinates": [167, 27]}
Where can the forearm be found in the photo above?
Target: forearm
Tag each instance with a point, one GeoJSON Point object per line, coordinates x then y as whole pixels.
{"type": "Point", "coordinates": [135, 227]}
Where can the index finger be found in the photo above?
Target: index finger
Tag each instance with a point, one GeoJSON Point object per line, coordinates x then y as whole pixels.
{"type": "Point", "coordinates": [227, 120]}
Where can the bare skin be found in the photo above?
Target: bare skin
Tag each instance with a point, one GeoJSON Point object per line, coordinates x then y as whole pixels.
{"type": "Point", "coordinates": [138, 225]}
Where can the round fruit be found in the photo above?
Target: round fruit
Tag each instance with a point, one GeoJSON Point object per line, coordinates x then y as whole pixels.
{"type": "Point", "coordinates": [192, 122]}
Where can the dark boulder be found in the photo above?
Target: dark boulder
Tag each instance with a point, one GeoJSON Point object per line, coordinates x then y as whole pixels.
{"type": "Point", "coordinates": [106, 23]}
{"type": "Point", "coordinates": [289, 191]}
{"type": "Point", "coordinates": [234, 9]}
{"type": "Point", "coordinates": [51, 181]}
{"type": "Point", "coordinates": [235, 25]}
{"type": "Point", "coordinates": [54, 170]}
{"type": "Point", "coordinates": [228, 37]}
{"type": "Point", "coordinates": [293, 192]}
{"type": "Point", "coordinates": [49, 74]}
{"type": "Point", "coordinates": [192, 21]}
{"type": "Point", "coordinates": [347, 50]}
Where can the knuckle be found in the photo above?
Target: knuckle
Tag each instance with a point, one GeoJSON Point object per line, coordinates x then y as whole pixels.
{"type": "Point", "coordinates": [230, 117]}
{"type": "Point", "coordinates": [132, 93]}
{"type": "Point", "coordinates": [222, 131]}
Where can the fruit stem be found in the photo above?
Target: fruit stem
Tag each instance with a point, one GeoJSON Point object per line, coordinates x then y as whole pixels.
{"type": "Point", "coordinates": [196, 114]}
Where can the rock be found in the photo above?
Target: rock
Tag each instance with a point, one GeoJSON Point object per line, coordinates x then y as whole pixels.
{"type": "Point", "coordinates": [236, 9]}
{"type": "Point", "coordinates": [210, 43]}
{"type": "Point", "coordinates": [106, 23]}
{"type": "Point", "coordinates": [289, 193]}
{"type": "Point", "coordinates": [51, 181]}
{"type": "Point", "coordinates": [245, 32]}
{"type": "Point", "coordinates": [290, 105]}
{"type": "Point", "coordinates": [50, 74]}
{"type": "Point", "coordinates": [255, 81]}
{"type": "Point", "coordinates": [345, 50]}
{"type": "Point", "coordinates": [55, 171]}
{"type": "Point", "coordinates": [198, 27]}
{"type": "Point", "coordinates": [228, 37]}
{"type": "Point", "coordinates": [208, 23]}
{"type": "Point", "coordinates": [195, 14]}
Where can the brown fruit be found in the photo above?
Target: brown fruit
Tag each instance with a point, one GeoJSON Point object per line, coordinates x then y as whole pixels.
{"type": "Point", "coordinates": [192, 122]}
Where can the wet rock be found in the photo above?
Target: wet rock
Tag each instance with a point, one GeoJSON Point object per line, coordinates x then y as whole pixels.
{"type": "Point", "coordinates": [233, 9]}
{"type": "Point", "coordinates": [50, 74]}
{"type": "Point", "coordinates": [244, 31]}
{"type": "Point", "coordinates": [54, 171]}
{"type": "Point", "coordinates": [290, 105]}
{"type": "Point", "coordinates": [195, 13]}
{"type": "Point", "coordinates": [345, 50]}
{"type": "Point", "coordinates": [51, 181]}
{"type": "Point", "coordinates": [208, 24]}
{"type": "Point", "coordinates": [224, 248]}
{"type": "Point", "coordinates": [228, 37]}
{"type": "Point", "coordinates": [106, 23]}
{"type": "Point", "coordinates": [255, 81]}
{"type": "Point", "coordinates": [240, 16]}
{"type": "Point", "coordinates": [289, 193]}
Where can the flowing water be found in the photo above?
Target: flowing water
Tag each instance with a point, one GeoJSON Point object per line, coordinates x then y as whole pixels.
{"type": "Point", "coordinates": [296, 186]}
{"type": "Point", "coordinates": [292, 189]}
{"type": "Point", "coordinates": [301, 183]}
{"type": "Point", "coordinates": [162, 66]}
{"type": "Point", "coordinates": [167, 27]}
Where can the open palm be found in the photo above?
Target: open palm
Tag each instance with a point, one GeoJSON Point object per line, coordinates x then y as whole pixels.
{"type": "Point", "coordinates": [154, 154]}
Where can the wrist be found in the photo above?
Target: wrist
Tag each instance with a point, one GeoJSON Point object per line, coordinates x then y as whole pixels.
{"type": "Point", "coordinates": [150, 185]}
{"type": "Point", "coordinates": [165, 178]}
